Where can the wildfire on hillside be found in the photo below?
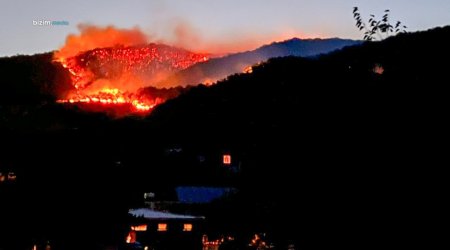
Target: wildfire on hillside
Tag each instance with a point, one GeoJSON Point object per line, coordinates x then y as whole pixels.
{"type": "Point", "coordinates": [113, 76]}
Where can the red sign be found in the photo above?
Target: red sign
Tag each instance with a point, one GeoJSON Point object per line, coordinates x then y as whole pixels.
{"type": "Point", "coordinates": [227, 159]}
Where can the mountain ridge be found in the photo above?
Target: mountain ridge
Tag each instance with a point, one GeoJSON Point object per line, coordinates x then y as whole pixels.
{"type": "Point", "coordinates": [219, 68]}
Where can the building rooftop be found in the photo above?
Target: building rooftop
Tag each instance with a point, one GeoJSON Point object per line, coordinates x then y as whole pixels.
{"type": "Point", "coordinates": [158, 215]}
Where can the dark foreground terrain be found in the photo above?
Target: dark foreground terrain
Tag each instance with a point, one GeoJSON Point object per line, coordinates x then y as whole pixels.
{"type": "Point", "coordinates": [332, 151]}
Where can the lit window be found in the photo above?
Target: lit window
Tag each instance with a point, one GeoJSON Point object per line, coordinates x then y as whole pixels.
{"type": "Point", "coordinates": [187, 227]}
{"type": "Point", "coordinates": [227, 159]}
{"type": "Point", "coordinates": [162, 227]}
{"type": "Point", "coordinates": [139, 228]}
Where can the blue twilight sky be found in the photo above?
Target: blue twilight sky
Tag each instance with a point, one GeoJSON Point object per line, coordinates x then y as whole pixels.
{"type": "Point", "coordinates": [215, 25]}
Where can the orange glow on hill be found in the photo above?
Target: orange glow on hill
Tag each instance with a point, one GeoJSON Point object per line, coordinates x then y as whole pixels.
{"type": "Point", "coordinates": [108, 66]}
{"type": "Point", "coordinates": [111, 76]}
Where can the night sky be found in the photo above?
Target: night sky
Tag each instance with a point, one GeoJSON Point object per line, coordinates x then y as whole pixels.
{"type": "Point", "coordinates": [217, 26]}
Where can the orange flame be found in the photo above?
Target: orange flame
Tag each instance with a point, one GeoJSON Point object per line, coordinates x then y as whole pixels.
{"type": "Point", "coordinates": [113, 97]}
{"type": "Point", "coordinates": [108, 65]}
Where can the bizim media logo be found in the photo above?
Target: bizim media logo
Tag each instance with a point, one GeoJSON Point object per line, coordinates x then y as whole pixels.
{"type": "Point", "coordinates": [50, 23]}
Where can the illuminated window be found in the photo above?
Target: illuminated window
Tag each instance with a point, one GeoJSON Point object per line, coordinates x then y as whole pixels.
{"type": "Point", "coordinates": [187, 227]}
{"type": "Point", "coordinates": [162, 227]}
{"type": "Point", "coordinates": [227, 159]}
{"type": "Point", "coordinates": [139, 228]}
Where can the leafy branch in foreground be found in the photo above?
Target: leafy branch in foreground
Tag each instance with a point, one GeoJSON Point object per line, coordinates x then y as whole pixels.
{"type": "Point", "coordinates": [380, 29]}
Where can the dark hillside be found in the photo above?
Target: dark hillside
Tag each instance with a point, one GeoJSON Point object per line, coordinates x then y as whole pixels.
{"type": "Point", "coordinates": [343, 135]}
{"type": "Point", "coordinates": [332, 150]}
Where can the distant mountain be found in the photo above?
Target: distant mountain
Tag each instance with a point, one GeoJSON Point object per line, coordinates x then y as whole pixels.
{"type": "Point", "coordinates": [220, 68]}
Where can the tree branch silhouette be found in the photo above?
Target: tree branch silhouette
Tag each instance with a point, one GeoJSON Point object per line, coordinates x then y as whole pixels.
{"type": "Point", "coordinates": [377, 28]}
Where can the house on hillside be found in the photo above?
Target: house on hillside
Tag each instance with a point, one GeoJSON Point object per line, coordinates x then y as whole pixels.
{"type": "Point", "coordinates": [157, 228]}
{"type": "Point", "coordinates": [164, 230]}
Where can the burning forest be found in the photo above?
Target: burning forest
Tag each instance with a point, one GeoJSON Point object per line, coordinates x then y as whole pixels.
{"type": "Point", "coordinates": [114, 77]}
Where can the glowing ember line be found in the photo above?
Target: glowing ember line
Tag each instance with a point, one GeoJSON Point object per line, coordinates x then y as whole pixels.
{"type": "Point", "coordinates": [111, 97]}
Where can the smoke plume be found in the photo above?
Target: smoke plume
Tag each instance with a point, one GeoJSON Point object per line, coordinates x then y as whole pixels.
{"type": "Point", "coordinates": [92, 37]}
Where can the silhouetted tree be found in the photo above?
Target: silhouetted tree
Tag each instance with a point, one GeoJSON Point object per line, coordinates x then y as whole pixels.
{"type": "Point", "coordinates": [381, 28]}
